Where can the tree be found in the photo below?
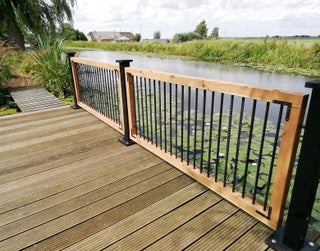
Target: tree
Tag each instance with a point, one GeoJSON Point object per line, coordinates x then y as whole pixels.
{"type": "Point", "coordinates": [67, 32]}
{"type": "Point", "coordinates": [156, 35]}
{"type": "Point", "coordinates": [136, 37]}
{"type": "Point", "coordinates": [37, 16]}
{"type": "Point", "coordinates": [184, 37]}
{"type": "Point", "coordinates": [215, 33]}
{"type": "Point", "coordinates": [202, 29]}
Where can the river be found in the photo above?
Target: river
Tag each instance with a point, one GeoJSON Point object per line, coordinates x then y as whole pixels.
{"type": "Point", "coordinates": [205, 70]}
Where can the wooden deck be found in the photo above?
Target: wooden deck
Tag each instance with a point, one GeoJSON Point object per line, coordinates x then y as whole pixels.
{"type": "Point", "coordinates": [67, 183]}
{"type": "Point", "coordinates": [35, 99]}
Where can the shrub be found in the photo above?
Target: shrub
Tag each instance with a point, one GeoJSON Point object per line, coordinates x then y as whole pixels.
{"type": "Point", "coordinates": [52, 68]}
{"type": "Point", "coordinates": [5, 69]}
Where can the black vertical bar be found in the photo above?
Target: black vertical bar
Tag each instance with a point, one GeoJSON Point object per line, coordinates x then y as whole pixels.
{"type": "Point", "coordinates": [189, 126]}
{"type": "Point", "coordinates": [101, 91]}
{"type": "Point", "coordinates": [146, 109]}
{"type": "Point", "coordinates": [142, 109]}
{"type": "Point", "coordinates": [137, 90]}
{"type": "Point", "coordinates": [261, 152]}
{"type": "Point", "coordinates": [150, 110]}
{"type": "Point", "coordinates": [307, 175]}
{"type": "Point", "coordinates": [202, 129]}
{"type": "Point", "coordinates": [126, 139]}
{"type": "Point", "coordinates": [86, 84]}
{"type": "Point", "coordinates": [225, 176]}
{"type": "Point", "coordinates": [171, 118]}
{"type": "Point", "coordinates": [111, 94]}
{"type": "Point", "coordinates": [82, 80]}
{"type": "Point", "coordinates": [176, 112]}
{"type": "Point", "coordinates": [100, 98]}
{"type": "Point", "coordinates": [160, 115]}
{"type": "Point", "coordinates": [75, 106]}
{"type": "Point", "coordinates": [92, 79]}
{"type": "Point", "coordinates": [219, 137]}
{"type": "Point", "coordinates": [165, 115]}
{"type": "Point", "coordinates": [253, 114]}
{"type": "Point", "coordinates": [182, 119]}
{"type": "Point", "coordinates": [112, 97]}
{"type": "Point", "coordinates": [155, 112]}
{"type": "Point", "coordinates": [234, 183]}
{"type": "Point", "coordinates": [210, 133]}
{"type": "Point", "coordinates": [195, 128]}
{"type": "Point", "coordinates": [115, 95]}
{"type": "Point", "coordinates": [273, 157]}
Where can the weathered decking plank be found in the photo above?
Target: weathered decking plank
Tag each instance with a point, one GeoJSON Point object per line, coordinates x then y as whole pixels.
{"type": "Point", "coordinates": [66, 182]}
{"type": "Point", "coordinates": [34, 99]}
{"type": "Point", "coordinates": [140, 219]}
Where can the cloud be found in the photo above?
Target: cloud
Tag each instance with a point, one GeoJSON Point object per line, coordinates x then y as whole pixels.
{"type": "Point", "coordinates": [233, 17]}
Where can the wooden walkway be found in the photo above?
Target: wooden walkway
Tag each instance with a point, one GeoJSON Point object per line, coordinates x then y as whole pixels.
{"type": "Point", "coordinates": [35, 99]}
{"type": "Point", "coordinates": [67, 183]}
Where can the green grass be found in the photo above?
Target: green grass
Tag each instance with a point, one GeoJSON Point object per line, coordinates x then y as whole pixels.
{"type": "Point", "coordinates": [297, 56]}
{"type": "Point", "coordinates": [68, 100]}
{"type": "Point", "coordinates": [6, 110]}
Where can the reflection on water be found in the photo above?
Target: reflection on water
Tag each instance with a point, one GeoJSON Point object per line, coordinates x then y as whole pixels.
{"type": "Point", "coordinates": [205, 70]}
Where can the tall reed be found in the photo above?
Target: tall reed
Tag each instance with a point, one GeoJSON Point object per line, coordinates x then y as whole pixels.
{"type": "Point", "coordinates": [267, 54]}
{"type": "Point", "coordinates": [51, 67]}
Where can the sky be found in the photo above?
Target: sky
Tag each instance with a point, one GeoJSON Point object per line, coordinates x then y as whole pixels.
{"type": "Point", "coordinates": [234, 18]}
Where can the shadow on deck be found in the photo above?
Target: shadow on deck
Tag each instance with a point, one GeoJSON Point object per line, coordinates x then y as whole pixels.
{"type": "Point", "coordinates": [67, 183]}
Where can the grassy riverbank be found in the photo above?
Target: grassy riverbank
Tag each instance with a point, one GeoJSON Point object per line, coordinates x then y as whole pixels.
{"type": "Point", "coordinates": [296, 56]}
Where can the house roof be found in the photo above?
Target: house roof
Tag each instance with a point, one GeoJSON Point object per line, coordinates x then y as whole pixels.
{"type": "Point", "coordinates": [110, 35]}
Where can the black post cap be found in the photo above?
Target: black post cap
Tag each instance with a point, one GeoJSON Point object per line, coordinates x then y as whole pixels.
{"type": "Point", "coordinates": [313, 84]}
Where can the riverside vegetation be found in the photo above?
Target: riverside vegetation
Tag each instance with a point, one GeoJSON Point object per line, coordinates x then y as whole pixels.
{"type": "Point", "coordinates": [47, 66]}
{"type": "Point", "coordinates": [294, 56]}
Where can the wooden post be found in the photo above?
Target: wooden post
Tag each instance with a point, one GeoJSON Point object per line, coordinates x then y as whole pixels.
{"type": "Point", "coordinates": [131, 104]}
{"type": "Point", "coordinates": [75, 105]}
{"type": "Point", "coordinates": [292, 236]}
{"type": "Point", "coordinates": [126, 138]}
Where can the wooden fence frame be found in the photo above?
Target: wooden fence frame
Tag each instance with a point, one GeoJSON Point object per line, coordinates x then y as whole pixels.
{"type": "Point", "coordinates": [296, 102]}
{"type": "Point", "coordinates": [288, 148]}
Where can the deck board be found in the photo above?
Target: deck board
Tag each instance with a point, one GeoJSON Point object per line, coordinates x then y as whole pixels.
{"type": "Point", "coordinates": [34, 99]}
{"type": "Point", "coordinates": [67, 183]}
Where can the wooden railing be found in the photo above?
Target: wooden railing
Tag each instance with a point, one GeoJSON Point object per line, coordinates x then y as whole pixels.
{"type": "Point", "coordinates": [98, 91]}
{"type": "Point", "coordinates": [236, 139]}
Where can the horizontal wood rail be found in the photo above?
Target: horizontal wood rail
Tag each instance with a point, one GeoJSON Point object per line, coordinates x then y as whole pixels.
{"type": "Point", "coordinates": [216, 132]}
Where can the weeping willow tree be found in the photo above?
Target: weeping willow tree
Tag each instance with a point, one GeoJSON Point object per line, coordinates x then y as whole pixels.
{"type": "Point", "coordinates": [38, 17]}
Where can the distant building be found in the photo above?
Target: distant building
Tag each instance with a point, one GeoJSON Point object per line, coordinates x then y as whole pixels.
{"type": "Point", "coordinates": [101, 36]}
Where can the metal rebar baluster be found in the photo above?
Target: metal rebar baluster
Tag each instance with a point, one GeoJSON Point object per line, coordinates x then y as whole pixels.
{"type": "Point", "coordinates": [210, 132]}
{"type": "Point", "coordinates": [219, 137]}
{"type": "Point", "coordinates": [253, 113]}
{"type": "Point", "coordinates": [195, 127]}
{"type": "Point", "coordinates": [182, 120]}
{"type": "Point", "coordinates": [160, 114]}
{"type": "Point", "coordinates": [176, 112]}
{"type": "Point", "coordinates": [273, 157]}
{"type": "Point", "coordinates": [235, 180]}
{"type": "Point", "coordinates": [203, 127]}
{"type": "Point", "coordinates": [225, 175]}
{"type": "Point", "coordinates": [189, 125]}
{"type": "Point", "coordinates": [150, 107]}
{"type": "Point", "coordinates": [146, 108]}
{"type": "Point", "coordinates": [171, 118]}
{"type": "Point", "coordinates": [165, 115]}
{"type": "Point", "coordinates": [155, 112]}
{"type": "Point", "coordinates": [261, 152]}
